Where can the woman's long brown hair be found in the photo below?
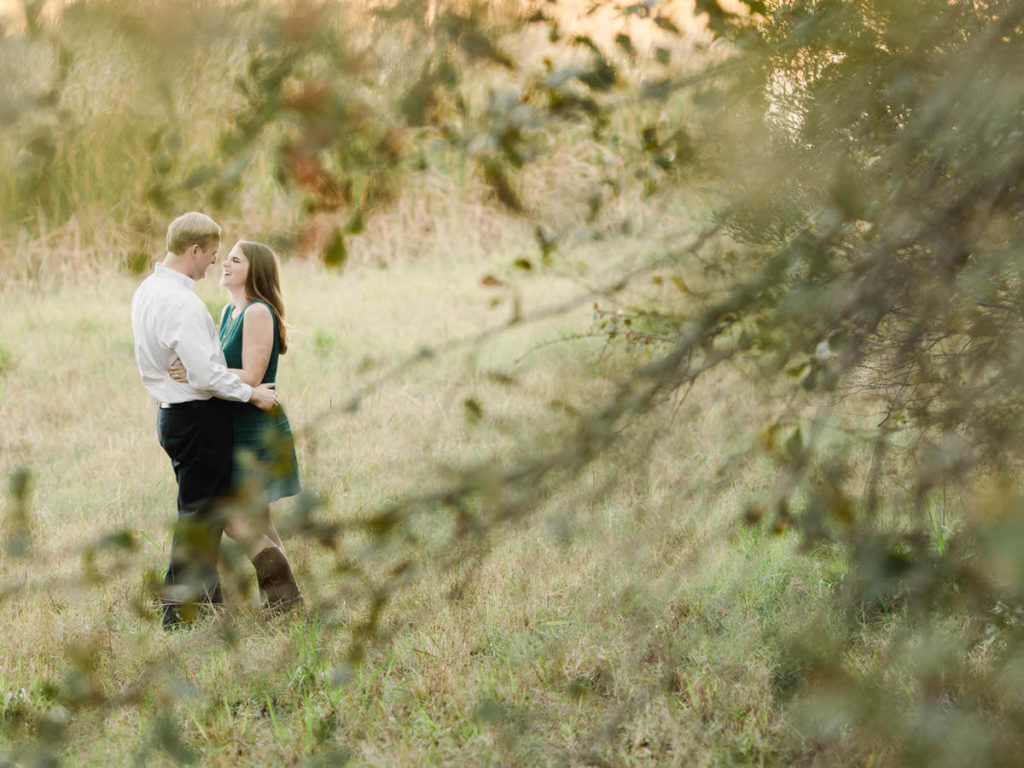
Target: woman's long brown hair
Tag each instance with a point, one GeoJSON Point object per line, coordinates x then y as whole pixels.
{"type": "Point", "coordinates": [263, 282]}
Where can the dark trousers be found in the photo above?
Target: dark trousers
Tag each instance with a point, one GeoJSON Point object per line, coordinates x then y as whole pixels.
{"type": "Point", "coordinates": [197, 436]}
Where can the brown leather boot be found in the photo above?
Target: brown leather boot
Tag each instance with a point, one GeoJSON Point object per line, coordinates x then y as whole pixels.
{"type": "Point", "coordinates": [278, 589]}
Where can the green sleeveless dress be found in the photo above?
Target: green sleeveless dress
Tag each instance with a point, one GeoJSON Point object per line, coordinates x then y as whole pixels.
{"type": "Point", "coordinates": [265, 459]}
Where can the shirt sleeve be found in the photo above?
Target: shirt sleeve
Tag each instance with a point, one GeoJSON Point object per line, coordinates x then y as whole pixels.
{"type": "Point", "coordinates": [194, 341]}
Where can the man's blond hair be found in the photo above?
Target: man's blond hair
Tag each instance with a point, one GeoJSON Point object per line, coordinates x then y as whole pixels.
{"type": "Point", "coordinates": [192, 228]}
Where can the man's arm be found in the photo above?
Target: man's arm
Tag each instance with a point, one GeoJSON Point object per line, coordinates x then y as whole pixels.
{"type": "Point", "coordinates": [264, 396]}
{"type": "Point", "coordinates": [192, 340]}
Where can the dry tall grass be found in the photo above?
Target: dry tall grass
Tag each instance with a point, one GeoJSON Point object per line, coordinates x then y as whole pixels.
{"type": "Point", "coordinates": [623, 621]}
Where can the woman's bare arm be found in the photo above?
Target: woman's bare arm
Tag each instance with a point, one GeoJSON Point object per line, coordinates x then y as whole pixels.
{"type": "Point", "coordinates": [257, 343]}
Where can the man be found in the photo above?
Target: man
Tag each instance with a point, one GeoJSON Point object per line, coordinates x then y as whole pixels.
{"type": "Point", "coordinates": [171, 323]}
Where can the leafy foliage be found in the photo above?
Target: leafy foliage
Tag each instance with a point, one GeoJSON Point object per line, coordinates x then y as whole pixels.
{"type": "Point", "coordinates": [866, 162]}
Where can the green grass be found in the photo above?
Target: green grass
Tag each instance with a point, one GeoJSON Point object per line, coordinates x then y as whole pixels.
{"type": "Point", "coordinates": [636, 605]}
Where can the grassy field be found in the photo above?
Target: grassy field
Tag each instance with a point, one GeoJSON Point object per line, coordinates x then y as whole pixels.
{"type": "Point", "coordinates": [635, 608]}
{"type": "Point", "coordinates": [629, 622]}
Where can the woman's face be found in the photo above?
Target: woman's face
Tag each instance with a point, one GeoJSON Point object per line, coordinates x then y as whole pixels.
{"type": "Point", "coordinates": [236, 269]}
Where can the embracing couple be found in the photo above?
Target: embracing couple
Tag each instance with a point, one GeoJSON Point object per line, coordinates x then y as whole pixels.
{"type": "Point", "coordinates": [219, 421]}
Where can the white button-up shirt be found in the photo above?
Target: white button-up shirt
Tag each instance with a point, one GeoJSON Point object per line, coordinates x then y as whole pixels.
{"type": "Point", "coordinates": [171, 323]}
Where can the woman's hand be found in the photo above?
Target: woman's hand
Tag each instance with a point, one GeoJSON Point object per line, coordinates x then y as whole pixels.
{"type": "Point", "coordinates": [178, 372]}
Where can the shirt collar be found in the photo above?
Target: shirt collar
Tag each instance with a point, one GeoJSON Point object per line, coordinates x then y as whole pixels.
{"type": "Point", "coordinates": [172, 274]}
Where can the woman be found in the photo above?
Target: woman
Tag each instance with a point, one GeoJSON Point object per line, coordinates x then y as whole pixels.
{"type": "Point", "coordinates": [253, 335]}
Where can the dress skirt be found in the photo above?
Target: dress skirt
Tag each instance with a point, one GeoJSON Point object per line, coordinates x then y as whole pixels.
{"type": "Point", "coordinates": [265, 461]}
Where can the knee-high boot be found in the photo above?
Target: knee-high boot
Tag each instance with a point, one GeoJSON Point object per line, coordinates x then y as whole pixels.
{"type": "Point", "coordinates": [276, 582]}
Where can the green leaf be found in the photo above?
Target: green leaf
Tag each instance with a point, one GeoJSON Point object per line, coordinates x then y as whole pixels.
{"type": "Point", "coordinates": [796, 370]}
{"type": "Point", "coordinates": [649, 138]}
{"type": "Point", "coordinates": [667, 24]}
{"type": "Point", "coordinates": [418, 100]}
{"type": "Point", "coordinates": [641, 9]}
{"type": "Point", "coordinates": [586, 42]}
{"type": "Point", "coordinates": [478, 46]}
{"type": "Point", "coordinates": [357, 224]}
{"type": "Point", "coordinates": [123, 539]}
{"type": "Point", "coordinates": [602, 77]}
{"type": "Point", "coordinates": [718, 18]}
{"type": "Point", "coordinates": [474, 411]}
{"type": "Point", "coordinates": [335, 254]}
{"type": "Point", "coordinates": [19, 483]}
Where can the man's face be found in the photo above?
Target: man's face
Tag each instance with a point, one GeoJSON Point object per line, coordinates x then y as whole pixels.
{"type": "Point", "coordinates": [202, 258]}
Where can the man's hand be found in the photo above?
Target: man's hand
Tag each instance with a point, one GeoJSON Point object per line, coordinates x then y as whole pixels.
{"type": "Point", "coordinates": [264, 397]}
{"type": "Point", "coordinates": [178, 372]}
